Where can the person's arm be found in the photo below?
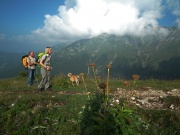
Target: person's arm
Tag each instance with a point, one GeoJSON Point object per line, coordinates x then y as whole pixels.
{"type": "Point", "coordinates": [35, 63]}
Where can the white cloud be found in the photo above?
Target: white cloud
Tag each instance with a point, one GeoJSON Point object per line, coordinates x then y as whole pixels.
{"type": "Point", "coordinates": [87, 18]}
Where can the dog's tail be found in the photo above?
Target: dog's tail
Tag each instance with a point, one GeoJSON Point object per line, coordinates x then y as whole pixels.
{"type": "Point", "coordinates": [69, 74]}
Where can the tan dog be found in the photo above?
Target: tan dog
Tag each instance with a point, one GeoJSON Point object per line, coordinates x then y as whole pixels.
{"type": "Point", "coordinates": [74, 79]}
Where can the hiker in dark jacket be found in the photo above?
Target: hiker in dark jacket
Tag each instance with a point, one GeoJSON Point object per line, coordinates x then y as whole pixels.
{"type": "Point", "coordinates": [45, 69]}
{"type": "Point", "coordinates": [31, 60]}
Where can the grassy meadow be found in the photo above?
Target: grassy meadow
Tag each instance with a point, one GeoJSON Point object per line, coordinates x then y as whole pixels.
{"type": "Point", "coordinates": [85, 109]}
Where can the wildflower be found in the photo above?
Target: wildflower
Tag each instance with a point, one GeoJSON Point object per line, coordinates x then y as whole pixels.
{"type": "Point", "coordinates": [126, 83]}
{"type": "Point", "coordinates": [117, 101]}
{"type": "Point", "coordinates": [92, 65]}
{"type": "Point", "coordinates": [109, 66]}
{"type": "Point", "coordinates": [135, 77]}
{"type": "Point", "coordinates": [111, 104]}
{"type": "Point", "coordinates": [81, 74]}
{"type": "Point", "coordinates": [99, 78]}
{"type": "Point", "coordinates": [102, 86]}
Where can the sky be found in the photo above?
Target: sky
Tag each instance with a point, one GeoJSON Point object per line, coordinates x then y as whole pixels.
{"type": "Point", "coordinates": [34, 24]}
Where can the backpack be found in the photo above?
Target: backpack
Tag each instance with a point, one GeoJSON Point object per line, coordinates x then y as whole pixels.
{"type": "Point", "coordinates": [38, 59]}
{"type": "Point", "coordinates": [24, 61]}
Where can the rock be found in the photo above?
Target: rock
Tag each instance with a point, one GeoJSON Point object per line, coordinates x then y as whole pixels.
{"type": "Point", "coordinates": [171, 107]}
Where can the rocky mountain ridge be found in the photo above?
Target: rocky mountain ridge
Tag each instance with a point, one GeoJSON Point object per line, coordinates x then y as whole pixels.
{"type": "Point", "coordinates": [150, 56]}
{"type": "Point", "coordinates": [127, 54]}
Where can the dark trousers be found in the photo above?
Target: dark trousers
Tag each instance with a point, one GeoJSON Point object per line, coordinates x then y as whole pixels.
{"type": "Point", "coordinates": [31, 76]}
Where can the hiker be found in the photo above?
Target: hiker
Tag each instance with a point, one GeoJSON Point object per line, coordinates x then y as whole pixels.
{"type": "Point", "coordinates": [31, 60]}
{"type": "Point", "coordinates": [45, 70]}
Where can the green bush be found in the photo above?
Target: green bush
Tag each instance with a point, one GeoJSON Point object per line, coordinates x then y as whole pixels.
{"type": "Point", "coordinates": [109, 118]}
{"type": "Point", "coordinates": [60, 82]}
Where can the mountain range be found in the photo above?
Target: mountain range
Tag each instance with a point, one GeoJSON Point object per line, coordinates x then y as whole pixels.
{"type": "Point", "coordinates": [150, 56]}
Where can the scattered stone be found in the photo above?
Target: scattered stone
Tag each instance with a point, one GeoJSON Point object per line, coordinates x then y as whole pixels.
{"type": "Point", "coordinates": [148, 98]}
{"type": "Point", "coordinates": [171, 107]}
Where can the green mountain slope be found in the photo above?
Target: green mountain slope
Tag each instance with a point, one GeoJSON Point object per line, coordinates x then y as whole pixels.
{"type": "Point", "coordinates": [149, 56]}
{"type": "Point", "coordinates": [10, 64]}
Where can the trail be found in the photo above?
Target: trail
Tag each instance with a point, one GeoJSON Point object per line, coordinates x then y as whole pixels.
{"type": "Point", "coordinates": [41, 92]}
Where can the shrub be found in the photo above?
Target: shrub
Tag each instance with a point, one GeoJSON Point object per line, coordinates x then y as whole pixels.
{"type": "Point", "coordinates": [113, 118]}
{"type": "Point", "coordinates": [61, 82]}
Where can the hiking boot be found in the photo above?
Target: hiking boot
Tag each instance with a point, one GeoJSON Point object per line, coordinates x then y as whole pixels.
{"type": "Point", "coordinates": [40, 89]}
{"type": "Point", "coordinates": [48, 89]}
